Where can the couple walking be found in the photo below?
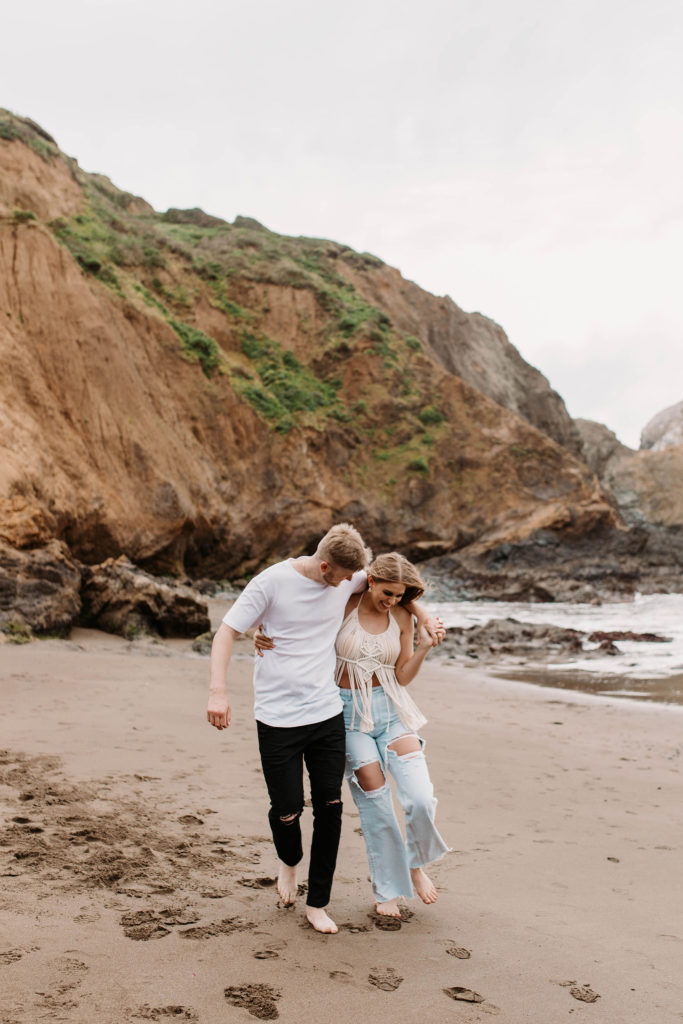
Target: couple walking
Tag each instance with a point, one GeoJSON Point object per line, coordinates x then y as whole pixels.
{"type": "Point", "coordinates": [337, 650]}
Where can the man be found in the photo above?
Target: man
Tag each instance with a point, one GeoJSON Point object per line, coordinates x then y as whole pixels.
{"type": "Point", "coordinates": [297, 706]}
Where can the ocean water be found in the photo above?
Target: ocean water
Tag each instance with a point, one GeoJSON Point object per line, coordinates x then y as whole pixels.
{"type": "Point", "coordinates": [651, 671]}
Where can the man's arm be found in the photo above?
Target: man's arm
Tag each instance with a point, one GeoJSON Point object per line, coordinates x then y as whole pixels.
{"type": "Point", "coordinates": [218, 709]}
{"type": "Point", "coordinates": [432, 623]}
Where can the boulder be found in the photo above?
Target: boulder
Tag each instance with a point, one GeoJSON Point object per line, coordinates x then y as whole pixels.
{"type": "Point", "coordinates": [665, 430]}
{"type": "Point", "coordinates": [39, 589]}
{"type": "Point", "coordinates": [120, 598]}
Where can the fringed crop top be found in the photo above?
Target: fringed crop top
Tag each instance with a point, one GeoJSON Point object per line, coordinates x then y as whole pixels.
{"type": "Point", "coordinates": [366, 654]}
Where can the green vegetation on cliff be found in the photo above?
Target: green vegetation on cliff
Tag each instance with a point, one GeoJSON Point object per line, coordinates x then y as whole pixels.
{"type": "Point", "coordinates": [185, 263]}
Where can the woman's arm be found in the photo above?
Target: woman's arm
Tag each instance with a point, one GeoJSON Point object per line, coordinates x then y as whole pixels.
{"type": "Point", "coordinates": [409, 661]}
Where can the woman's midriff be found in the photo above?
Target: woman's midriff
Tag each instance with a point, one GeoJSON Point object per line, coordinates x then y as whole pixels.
{"type": "Point", "coordinates": [344, 683]}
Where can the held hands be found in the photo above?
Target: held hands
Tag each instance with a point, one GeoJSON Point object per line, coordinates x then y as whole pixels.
{"type": "Point", "coordinates": [218, 711]}
{"type": "Point", "coordinates": [262, 642]}
{"type": "Point", "coordinates": [431, 632]}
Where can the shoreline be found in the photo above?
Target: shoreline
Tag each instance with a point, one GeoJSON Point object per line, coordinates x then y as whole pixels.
{"type": "Point", "coordinates": [562, 810]}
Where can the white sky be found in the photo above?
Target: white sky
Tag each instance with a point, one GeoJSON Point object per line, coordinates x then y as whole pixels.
{"type": "Point", "coordinates": [524, 157]}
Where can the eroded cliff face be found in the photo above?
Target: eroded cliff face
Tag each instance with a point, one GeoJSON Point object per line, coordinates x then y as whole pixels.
{"type": "Point", "coordinates": [204, 397]}
{"type": "Point", "coordinates": [472, 347]}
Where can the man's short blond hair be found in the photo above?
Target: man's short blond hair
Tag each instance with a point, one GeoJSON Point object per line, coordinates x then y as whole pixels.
{"type": "Point", "coordinates": [343, 546]}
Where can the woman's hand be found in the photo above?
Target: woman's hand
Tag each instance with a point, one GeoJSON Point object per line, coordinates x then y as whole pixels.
{"type": "Point", "coordinates": [262, 642]}
{"type": "Point", "coordinates": [431, 632]}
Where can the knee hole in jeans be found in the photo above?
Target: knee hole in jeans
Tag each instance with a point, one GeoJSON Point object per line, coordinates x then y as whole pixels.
{"type": "Point", "coordinates": [289, 819]}
{"type": "Point", "coordinates": [370, 777]}
{"type": "Point", "coordinates": [406, 747]}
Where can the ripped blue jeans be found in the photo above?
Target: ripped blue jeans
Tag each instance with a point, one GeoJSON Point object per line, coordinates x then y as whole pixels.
{"type": "Point", "coordinates": [389, 857]}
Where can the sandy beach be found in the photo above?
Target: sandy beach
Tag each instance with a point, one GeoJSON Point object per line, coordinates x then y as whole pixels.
{"type": "Point", "coordinates": [137, 869]}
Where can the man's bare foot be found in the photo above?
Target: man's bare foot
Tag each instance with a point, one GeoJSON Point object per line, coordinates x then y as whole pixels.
{"type": "Point", "coordinates": [388, 909]}
{"type": "Point", "coordinates": [424, 887]}
{"type": "Point", "coordinates": [286, 884]}
{"type": "Point", "coordinates": [320, 921]}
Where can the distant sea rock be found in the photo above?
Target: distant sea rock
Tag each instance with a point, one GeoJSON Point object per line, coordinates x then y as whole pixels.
{"type": "Point", "coordinates": [665, 430]}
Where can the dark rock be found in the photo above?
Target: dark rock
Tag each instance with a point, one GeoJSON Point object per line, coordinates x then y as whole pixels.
{"type": "Point", "coordinates": [648, 638]}
{"type": "Point", "coordinates": [120, 598]}
{"type": "Point", "coordinates": [611, 565]}
{"type": "Point", "coordinates": [510, 637]}
{"type": "Point", "coordinates": [202, 643]}
{"type": "Point", "coordinates": [39, 589]}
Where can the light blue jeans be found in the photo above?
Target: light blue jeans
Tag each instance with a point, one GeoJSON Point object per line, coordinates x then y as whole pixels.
{"type": "Point", "coordinates": [389, 857]}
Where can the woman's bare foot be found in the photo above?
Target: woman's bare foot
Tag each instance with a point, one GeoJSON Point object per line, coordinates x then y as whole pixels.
{"type": "Point", "coordinates": [286, 884]}
{"type": "Point", "coordinates": [320, 921]}
{"type": "Point", "coordinates": [388, 909]}
{"type": "Point", "coordinates": [424, 887]}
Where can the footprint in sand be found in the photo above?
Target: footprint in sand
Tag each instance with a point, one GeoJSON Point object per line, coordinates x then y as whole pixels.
{"type": "Point", "coordinates": [143, 925]}
{"type": "Point", "coordinates": [385, 978]}
{"type": "Point", "coordinates": [257, 883]}
{"type": "Point", "coordinates": [153, 924]}
{"type": "Point", "coordinates": [458, 951]}
{"type": "Point", "coordinates": [190, 819]}
{"type": "Point", "coordinates": [384, 923]}
{"type": "Point", "coordinates": [224, 927]}
{"type": "Point", "coordinates": [258, 1000]}
{"type": "Point", "coordinates": [266, 954]}
{"type": "Point", "coordinates": [344, 976]}
{"type": "Point", "coordinates": [10, 956]}
{"type": "Point", "coordinates": [174, 1012]}
{"type": "Point", "coordinates": [353, 928]}
{"type": "Point", "coordinates": [584, 993]}
{"type": "Point", "coordinates": [465, 995]}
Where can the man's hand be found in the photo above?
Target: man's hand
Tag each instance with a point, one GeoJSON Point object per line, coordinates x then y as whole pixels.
{"type": "Point", "coordinates": [434, 627]}
{"type": "Point", "coordinates": [262, 642]}
{"type": "Point", "coordinates": [218, 711]}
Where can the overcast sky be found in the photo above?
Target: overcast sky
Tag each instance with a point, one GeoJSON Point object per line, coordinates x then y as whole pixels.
{"type": "Point", "coordinates": [523, 157]}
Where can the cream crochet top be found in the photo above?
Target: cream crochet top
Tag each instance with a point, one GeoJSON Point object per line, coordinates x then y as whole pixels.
{"type": "Point", "coordinates": [366, 654]}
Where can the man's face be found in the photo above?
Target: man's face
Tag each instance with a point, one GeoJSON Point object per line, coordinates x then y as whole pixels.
{"type": "Point", "coordinates": [334, 574]}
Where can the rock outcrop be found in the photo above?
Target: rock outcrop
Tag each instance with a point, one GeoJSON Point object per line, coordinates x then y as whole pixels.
{"type": "Point", "coordinates": [509, 638]}
{"type": "Point", "coordinates": [665, 430]}
{"type": "Point", "coordinates": [646, 486]}
{"type": "Point", "coordinates": [39, 590]}
{"type": "Point", "coordinates": [204, 397]}
{"type": "Point", "coordinates": [599, 445]}
{"type": "Point", "coordinates": [119, 598]}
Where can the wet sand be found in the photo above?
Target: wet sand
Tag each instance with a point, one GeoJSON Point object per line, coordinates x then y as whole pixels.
{"type": "Point", "coordinates": [668, 690]}
{"type": "Point", "coordinates": [137, 871]}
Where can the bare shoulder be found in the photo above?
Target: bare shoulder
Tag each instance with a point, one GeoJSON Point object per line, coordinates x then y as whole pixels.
{"type": "Point", "coordinates": [403, 617]}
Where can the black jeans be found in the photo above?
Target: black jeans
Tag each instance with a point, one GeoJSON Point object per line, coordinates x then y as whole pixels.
{"type": "Point", "coordinates": [283, 753]}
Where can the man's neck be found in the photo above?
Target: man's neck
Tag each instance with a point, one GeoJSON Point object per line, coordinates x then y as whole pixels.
{"type": "Point", "coordinates": [309, 566]}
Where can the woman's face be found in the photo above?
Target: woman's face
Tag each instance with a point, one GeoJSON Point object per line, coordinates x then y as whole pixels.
{"type": "Point", "coordinates": [385, 595]}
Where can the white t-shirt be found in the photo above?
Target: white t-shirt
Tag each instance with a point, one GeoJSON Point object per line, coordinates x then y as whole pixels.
{"type": "Point", "coordinates": [294, 683]}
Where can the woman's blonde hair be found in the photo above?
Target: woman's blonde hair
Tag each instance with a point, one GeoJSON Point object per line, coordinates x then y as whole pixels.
{"type": "Point", "coordinates": [394, 568]}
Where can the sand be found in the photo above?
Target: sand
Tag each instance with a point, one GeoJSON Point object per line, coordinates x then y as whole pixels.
{"type": "Point", "coordinates": [137, 870]}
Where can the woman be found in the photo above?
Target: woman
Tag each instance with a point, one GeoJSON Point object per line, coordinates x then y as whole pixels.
{"type": "Point", "coordinates": [375, 662]}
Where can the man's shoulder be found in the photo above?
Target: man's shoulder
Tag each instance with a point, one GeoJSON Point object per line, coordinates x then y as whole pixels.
{"type": "Point", "coordinates": [273, 571]}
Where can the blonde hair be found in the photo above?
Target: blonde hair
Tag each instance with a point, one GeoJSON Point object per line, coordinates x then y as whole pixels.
{"type": "Point", "coordinates": [343, 546]}
{"type": "Point", "coordinates": [395, 568]}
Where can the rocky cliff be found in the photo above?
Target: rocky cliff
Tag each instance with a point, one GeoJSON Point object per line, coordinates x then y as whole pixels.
{"type": "Point", "coordinates": [204, 396]}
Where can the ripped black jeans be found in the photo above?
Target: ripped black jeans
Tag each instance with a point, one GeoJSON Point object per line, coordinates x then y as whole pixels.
{"type": "Point", "coordinates": [321, 747]}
